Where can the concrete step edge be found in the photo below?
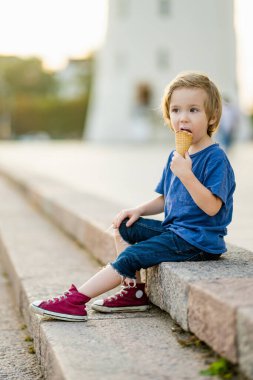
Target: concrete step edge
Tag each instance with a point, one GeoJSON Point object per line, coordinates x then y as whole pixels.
{"type": "Point", "coordinates": [168, 284]}
{"type": "Point", "coordinates": [22, 265]}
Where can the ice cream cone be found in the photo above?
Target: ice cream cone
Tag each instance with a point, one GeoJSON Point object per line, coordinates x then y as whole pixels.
{"type": "Point", "coordinates": [183, 141]}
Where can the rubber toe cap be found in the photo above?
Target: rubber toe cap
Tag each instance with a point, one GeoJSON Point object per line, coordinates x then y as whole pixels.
{"type": "Point", "coordinates": [98, 302]}
{"type": "Point", "coordinates": [36, 303]}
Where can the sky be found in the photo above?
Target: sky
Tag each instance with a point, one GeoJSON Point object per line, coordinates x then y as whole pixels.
{"type": "Point", "coordinates": [52, 29]}
{"type": "Point", "coordinates": [58, 29]}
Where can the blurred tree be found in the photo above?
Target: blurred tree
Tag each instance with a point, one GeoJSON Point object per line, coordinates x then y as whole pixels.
{"type": "Point", "coordinates": [26, 77]}
{"type": "Point", "coordinates": [58, 118]}
{"type": "Point", "coordinates": [31, 98]}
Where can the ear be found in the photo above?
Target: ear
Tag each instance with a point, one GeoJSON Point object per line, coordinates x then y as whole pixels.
{"type": "Point", "coordinates": [212, 121]}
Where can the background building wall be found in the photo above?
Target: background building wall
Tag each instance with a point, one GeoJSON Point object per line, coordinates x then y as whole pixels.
{"type": "Point", "coordinates": [147, 43]}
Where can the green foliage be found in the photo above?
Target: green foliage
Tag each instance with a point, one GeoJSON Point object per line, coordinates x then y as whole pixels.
{"type": "Point", "coordinates": [58, 118]}
{"type": "Point", "coordinates": [220, 367]}
{"type": "Point", "coordinates": [26, 77]}
{"type": "Point", "coordinates": [31, 350]}
{"type": "Point", "coordinates": [31, 103]}
{"type": "Point", "coordinates": [28, 339]}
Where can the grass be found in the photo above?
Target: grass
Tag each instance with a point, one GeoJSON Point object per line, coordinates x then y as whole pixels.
{"type": "Point", "coordinates": [31, 350]}
{"type": "Point", "coordinates": [28, 339]}
{"type": "Point", "coordinates": [221, 368]}
{"type": "Point", "coordinates": [216, 365]}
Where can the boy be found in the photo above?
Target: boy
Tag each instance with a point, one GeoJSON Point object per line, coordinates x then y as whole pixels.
{"type": "Point", "coordinates": [196, 195]}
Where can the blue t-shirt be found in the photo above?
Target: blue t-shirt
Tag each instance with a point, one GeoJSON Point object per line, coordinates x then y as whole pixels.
{"type": "Point", "coordinates": [182, 216]}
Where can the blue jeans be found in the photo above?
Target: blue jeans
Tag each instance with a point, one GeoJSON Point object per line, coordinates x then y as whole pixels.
{"type": "Point", "coordinates": [152, 244]}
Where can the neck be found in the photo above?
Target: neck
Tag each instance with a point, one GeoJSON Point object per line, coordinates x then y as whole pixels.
{"type": "Point", "coordinates": [200, 145]}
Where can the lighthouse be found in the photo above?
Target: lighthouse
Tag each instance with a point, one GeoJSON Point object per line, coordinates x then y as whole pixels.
{"type": "Point", "coordinates": [148, 42]}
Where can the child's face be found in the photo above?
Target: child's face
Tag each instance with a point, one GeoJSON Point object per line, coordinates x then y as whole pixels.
{"type": "Point", "coordinates": [187, 112]}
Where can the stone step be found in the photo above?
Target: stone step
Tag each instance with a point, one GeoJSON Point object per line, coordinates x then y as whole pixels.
{"type": "Point", "coordinates": [207, 298]}
{"type": "Point", "coordinates": [177, 288]}
{"type": "Point", "coordinates": [16, 347]}
{"type": "Point", "coordinates": [42, 261]}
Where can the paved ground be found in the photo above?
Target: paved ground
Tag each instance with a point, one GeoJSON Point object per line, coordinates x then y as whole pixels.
{"type": "Point", "coordinates": [126, 174]}
{"type": "Point", "coordinates": [17, 360]}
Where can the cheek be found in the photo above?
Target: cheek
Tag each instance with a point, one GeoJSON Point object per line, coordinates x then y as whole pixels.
{"type": "Point", "coordinates": [173, 123]}
{"type": "Point", "coordinates": [202, 123]}
{"type": "Point", "coordinates": [172, 119]}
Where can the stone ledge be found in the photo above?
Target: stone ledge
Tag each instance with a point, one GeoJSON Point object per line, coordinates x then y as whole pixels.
{"type": "Point", "coordinates": [170, 283]}
{"type": "Point", "coordinates": [206, 298]}
{"type": "Point", "coordinates": [82, 216]}
{"type": "Point", "coordinates": [245, 339]}
{"type": "Point", "coordinates": [174, 287]}
{"type": "Point", "coordinates": [213, 306]}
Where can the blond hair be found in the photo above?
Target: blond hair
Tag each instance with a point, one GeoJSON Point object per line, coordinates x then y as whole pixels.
{"type": "Point", "coordinates": [213, 103]}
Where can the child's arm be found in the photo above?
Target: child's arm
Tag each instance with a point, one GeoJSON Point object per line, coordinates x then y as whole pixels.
{"type": "Point", "coordinates": [155, 206]}
{"type": "Point", "coordinates": [202, 196]}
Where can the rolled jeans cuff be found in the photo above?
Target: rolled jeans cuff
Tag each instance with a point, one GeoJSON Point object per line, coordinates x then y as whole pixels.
{"type": "Point", "coordinates": [122, 275]}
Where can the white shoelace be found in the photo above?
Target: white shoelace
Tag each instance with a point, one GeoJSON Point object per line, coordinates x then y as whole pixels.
{"type": "Point", "coordinates": [123, 291]}
{"type": "Point", "coordinates": [59, 298]}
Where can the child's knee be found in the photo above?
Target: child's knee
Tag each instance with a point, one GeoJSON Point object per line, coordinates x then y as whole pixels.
{"type": "Point", "coordinates": [128, 257]}
{"type": "Point", "coordinates": [127, 263]}
{"type": "Point", "coordinates": [123, 230]}
{"type": "Point", "coordinates": [120, 243]}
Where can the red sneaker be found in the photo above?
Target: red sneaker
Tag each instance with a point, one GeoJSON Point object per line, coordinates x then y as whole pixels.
{"type": "Point", "coordinates": [129, 299]}
{"type": "Point", "coordinates": [68, 307]}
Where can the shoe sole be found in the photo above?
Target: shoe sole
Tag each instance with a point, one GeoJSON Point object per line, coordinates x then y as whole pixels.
{"type": "Point", "coordinates": [126, 309]}
{"type": "Point", "coordinates": [62, 317]}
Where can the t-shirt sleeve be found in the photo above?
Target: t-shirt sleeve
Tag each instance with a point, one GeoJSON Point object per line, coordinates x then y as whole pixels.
{"type": "Point", "coordinates": [160, 188]}
{"type": "Point", "coordinates": [219, 178]}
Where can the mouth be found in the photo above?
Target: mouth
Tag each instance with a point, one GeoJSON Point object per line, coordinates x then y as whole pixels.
{"type": "Point", "coordinates": [185, 129]}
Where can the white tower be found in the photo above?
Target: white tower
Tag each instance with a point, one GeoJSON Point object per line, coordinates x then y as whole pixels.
{"type": "Point", "coordinates": [147, 43]}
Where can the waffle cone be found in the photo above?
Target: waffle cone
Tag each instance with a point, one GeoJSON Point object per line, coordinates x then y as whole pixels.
{"type": "Point", "coordinates": [183, 141]}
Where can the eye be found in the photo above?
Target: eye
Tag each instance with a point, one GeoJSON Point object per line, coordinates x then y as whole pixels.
{"type": "Point", "coordinates": [174, 110]}
{"type": "Point", "coordinates": [194, 109]}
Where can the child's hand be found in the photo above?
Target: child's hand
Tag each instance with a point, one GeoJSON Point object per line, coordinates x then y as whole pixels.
{"type": "Point", "coordinates": [181, 166]}
{"type": "Point", "coordinates": [133, 214]}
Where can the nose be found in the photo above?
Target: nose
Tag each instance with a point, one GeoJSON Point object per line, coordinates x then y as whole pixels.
{"type": "Point", "coordinates": [184, 116]}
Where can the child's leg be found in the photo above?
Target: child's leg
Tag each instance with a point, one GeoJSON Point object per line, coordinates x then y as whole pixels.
{"type": "Point", "coordinates": [104, 280]}
{"type": "Point", "coordinates": [143, 229]}
{"type": "Point", "coordinates": [107, 278]}
{"type": "Point", "coordinates": [166, 247]}
{"type": "Point", "coordinates": [70, 306]}
{"type": "Point", "coordinates": [121, 245]}
{"type": "Point", "coordinates": [132, 297]}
